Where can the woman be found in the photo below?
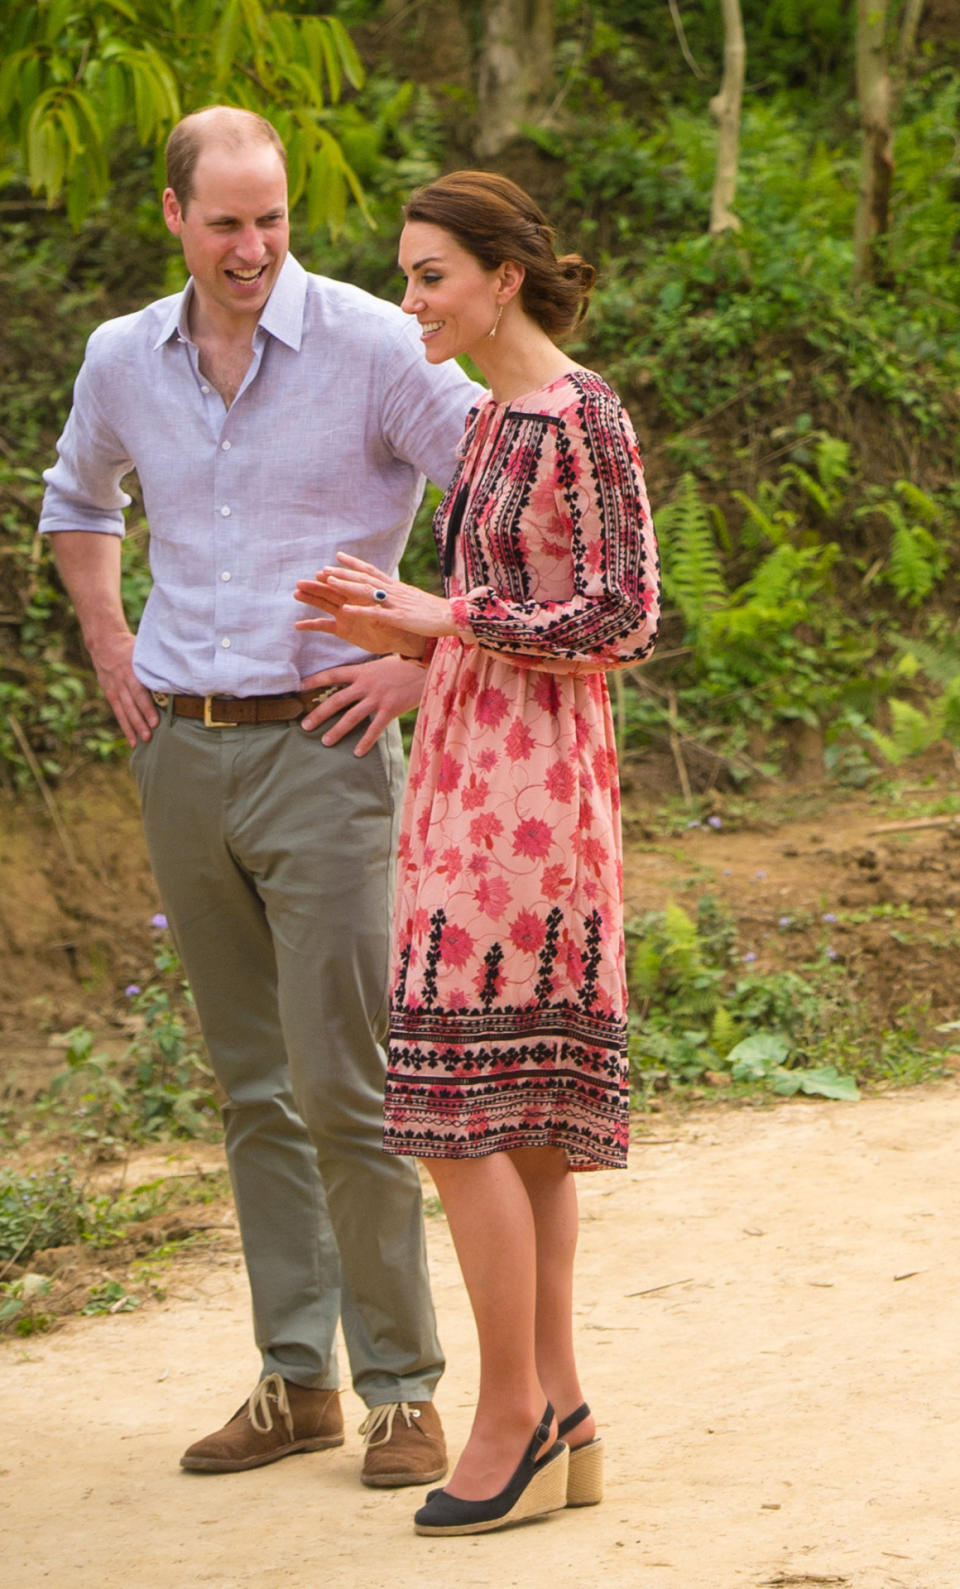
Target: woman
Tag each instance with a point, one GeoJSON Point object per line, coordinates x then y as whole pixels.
{"type": "Point", "coordinates": [508, 1012]}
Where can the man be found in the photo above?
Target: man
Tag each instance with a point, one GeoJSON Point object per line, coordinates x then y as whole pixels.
{"type": "Point", "coordinates": [272, 417]}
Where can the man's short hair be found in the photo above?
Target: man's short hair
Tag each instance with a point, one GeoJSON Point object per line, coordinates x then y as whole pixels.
{"type": "Point", "coordinates": [222, 124]}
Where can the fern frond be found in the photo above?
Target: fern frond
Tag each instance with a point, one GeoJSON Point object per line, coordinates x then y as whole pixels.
{"type": "Point", "coordinates": [744, 628]}
{"type": "Point", "coordinates": [916, 563]}
{"type": "Point", "coordinates": [950, 702]}
{"type": "Point", "coordinates": [645, 967]}
{"type": "Point", "coordinates": [812, 488]}
{"type": "Point", "coordinates": [682, 941]}
{"type": "Point", "coordinates": [917, 501]}
{"type": "Point", "coordinates": [724, 1031]}
{"type": "Point", "coordinates": [775, 525]}
{"type": "Point", "coordinates": [912, 731]}
{"type": "Point", "coordinates": [833, 464]}
{"type": "Point", "coordinates": [939, 663]}
{"type": "Point", "coordinates": [692, 575]}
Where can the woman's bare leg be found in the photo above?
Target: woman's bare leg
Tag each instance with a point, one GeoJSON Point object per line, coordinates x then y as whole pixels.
{"type": "Point", "coordinates": [492, 1225]}
{"type": "Point", "coordinates": [552, 1195]}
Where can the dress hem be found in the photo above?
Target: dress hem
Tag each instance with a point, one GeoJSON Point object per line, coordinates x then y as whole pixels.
{"type": "Point", "coordinates": [424, 1148]}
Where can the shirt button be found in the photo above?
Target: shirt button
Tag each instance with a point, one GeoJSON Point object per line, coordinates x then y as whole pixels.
{"type": "Point", "coordinates": [225, 642]}
{"type": "Point", "coordinates": [225, 446]}
{"type": "Point", "coordinates": [204, 390]}
{"type": "Point", "coordinates": [226, 575]}
{"type": "Point", "coordinates": [224, 512]}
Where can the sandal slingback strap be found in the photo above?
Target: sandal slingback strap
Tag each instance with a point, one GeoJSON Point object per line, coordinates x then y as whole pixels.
{"type": "Point", "coordinates": [571, 1421]}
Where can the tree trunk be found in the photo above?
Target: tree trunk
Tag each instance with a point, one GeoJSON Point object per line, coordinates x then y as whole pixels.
{"type": "Point", "coordinates": [515, 70]}
{"type": "Point", "coordinates": [910, 22]}
{"type": "Point", "coordinates": [725, 110]}
{"type": "Point", "coordinates": [875, 95]}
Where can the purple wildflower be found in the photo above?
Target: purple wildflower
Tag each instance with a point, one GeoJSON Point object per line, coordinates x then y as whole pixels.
{"type": "Point", "coordinates": [715, 822]}
{"type": "Point", "coordinates": [131, 990]}
{"type": "Point", "coordinates": [749, 957]}
{"type": "Point", "coordinates": [159, 920]}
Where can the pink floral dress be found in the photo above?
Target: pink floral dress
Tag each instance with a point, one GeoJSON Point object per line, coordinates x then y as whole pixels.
{"type": "Point", "coordinates": [508, 1003]}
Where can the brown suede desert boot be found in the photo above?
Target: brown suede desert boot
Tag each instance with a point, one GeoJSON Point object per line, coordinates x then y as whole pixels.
{"type": "Point", "coordinates": [279, 1419]}
{"type": "Point", "coordinates": [403, 1444]}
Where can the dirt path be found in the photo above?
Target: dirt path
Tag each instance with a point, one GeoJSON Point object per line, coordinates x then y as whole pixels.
{"type": "Point", "coordinates": [770, 1330]}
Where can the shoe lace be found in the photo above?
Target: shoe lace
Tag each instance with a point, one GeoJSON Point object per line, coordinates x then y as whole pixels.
{"type": "Point", "coordinates": [270, 1390]}
{"type": "Point", "coordinates": [382, 1417]}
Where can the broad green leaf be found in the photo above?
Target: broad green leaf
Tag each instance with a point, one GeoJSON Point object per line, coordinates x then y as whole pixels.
{"type": "Point", "coordinates": [227, 38]}
{"type": "Point", "coordinates": [786, 1083]}
{"type": "Point", "coordinates": [349, 59]}
{"type": "Point", "coordinates": [758, 1055]}
{"type": "Point", "coordinates": [331, 62]}
{"type": "Point", "coordinates": [57, 14]}
{"type": "Point", "coordinates": [827, 1082]}
{"type": "Point", "coordinates": [10, 73]}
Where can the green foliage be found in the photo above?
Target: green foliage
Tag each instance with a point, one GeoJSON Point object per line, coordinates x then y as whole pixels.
{"type": "Point", "coordinates": [43, 1208]}
{"type": "Point", "coordinates": [915, 729]}
{"type": "Point", "coordinates": [21, 1307]}
{"type": "Point", "coordinates": [697, 325]}
{"type": "Point", "coordinates": [782, 412]}
{"type": "Point", "coordinates": [159, 1086]}
{"type": "Point", "coordinates": [51, 1208]}
{"type": "Point", "coordinates": [775, 648]}
{"type": "Point", "coordinates": [690, 560]}
{"type": "Point", "coordinates": [77, 72]}
{"type": "Point", "coordinates": [763, 1059]}
{"type": "Point", "coordinates": [111, 1297]}
{"type": "Point", "coordinates": [918, 560]}
{"type": "Point", "coordinates": [695, 1013]}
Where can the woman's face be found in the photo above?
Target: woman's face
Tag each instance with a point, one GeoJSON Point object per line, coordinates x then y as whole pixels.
{"type": "Point", "coordinates": [454, 298]}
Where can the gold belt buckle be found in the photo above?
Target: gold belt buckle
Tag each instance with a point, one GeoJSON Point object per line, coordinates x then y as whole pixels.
{"type": "Point", "coordinates": [208, 720]}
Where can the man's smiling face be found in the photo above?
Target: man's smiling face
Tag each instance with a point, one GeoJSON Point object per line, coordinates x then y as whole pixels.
{"type": "Point", "coordinates": [234, 230]}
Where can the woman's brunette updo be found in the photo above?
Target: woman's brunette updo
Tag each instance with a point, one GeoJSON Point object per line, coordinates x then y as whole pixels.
{"type": "Point", "coordinates": [495, 221]}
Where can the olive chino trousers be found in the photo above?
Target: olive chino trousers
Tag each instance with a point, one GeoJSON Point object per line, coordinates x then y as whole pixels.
{"type": "Point", "coordinates": [274, 857]}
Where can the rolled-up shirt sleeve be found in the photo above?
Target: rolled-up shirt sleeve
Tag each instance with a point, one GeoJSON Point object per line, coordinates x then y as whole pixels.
{"type": "Point", "coordinates": [423, 407]}
{"type": "Point", "coordinates": [83, 486]}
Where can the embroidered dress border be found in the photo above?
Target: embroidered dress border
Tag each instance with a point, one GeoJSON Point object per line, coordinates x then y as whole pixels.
{"type": "Point", "coordinates": [430, 1121]}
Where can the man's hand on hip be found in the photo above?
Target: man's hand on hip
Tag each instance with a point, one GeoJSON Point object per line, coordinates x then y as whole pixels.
{"type": "Point", "coordinates": [381, 690]}
{"type": "Point", "coordinates": [133, 705]}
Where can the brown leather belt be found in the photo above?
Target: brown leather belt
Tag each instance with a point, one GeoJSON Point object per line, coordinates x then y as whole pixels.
{"type": "Point", "coordinates": [227, 711]}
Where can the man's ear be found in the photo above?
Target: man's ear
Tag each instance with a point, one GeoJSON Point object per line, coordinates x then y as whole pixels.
{"type": "Point", "coordinates": [172, 212]}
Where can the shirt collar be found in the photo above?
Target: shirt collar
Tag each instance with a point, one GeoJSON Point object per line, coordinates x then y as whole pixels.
{"type": "Point", "coordinates": [282, 313]}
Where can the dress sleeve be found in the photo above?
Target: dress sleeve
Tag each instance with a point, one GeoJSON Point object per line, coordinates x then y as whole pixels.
{"type": "Point", "coordinates": [612, 617]}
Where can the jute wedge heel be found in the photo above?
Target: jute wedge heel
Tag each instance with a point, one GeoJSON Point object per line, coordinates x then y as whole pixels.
{"type": "Point", "coordinates": [585, 1468]}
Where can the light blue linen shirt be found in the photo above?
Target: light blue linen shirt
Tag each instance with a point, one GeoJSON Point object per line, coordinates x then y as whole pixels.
{"type": "Point", "coordinates": [324, 448]}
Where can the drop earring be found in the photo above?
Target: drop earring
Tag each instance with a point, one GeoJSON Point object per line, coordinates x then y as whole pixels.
{"type": "Point", "coordinates": [493, 330]}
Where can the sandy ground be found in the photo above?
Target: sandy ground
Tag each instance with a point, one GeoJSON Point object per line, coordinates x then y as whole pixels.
{"type": "Point", "coordinates": [770, 1328]}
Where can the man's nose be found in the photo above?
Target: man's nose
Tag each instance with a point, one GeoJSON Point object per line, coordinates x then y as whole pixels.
{"type": "Point", "coordinates": [250, 245]}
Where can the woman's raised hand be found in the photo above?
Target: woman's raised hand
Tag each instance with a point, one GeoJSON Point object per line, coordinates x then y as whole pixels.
{"type": "Point", "coordinates": [370, 609]}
